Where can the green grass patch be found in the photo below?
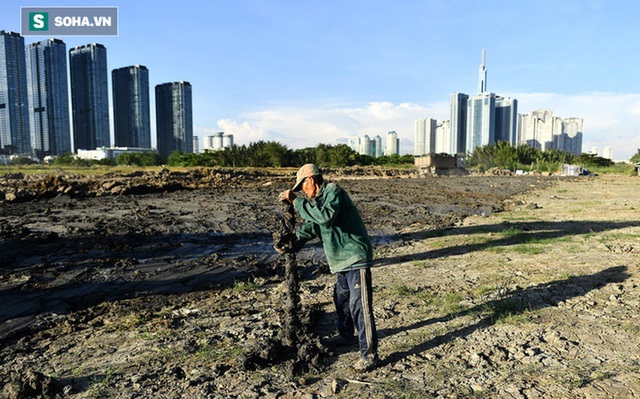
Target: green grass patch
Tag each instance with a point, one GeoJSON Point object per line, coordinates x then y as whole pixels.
{"type": "Point", "coordinates": [510, 311]}
{"type": "Point", "coordinates": [400, 389]}
{"type": "Point", "coordinates": [242, 286]}
{"type": "Point", "coordinates": [526, 249]}
{"type": "Point", "coordinates": [404, 291]}
{"type": "Point", "coordinates": [631, 328]}
{"type": "Point", "coordinates": [551, 240]}
{"type": "Point", "coordinates": [511, 231]}
{"type": "Point", "coordinates": [607, 238]}
{"type": "Point", "coordinates": [497, 249]}
{"type": "Point", "coordinates": [450, 302]}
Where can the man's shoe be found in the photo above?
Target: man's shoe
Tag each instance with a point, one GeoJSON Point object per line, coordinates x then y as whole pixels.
{"type": "Point", "coordinates": [365, 364]}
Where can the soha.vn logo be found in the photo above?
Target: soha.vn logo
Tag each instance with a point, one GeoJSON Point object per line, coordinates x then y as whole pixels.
{"type": "Point", "coordinates": [38, 21]}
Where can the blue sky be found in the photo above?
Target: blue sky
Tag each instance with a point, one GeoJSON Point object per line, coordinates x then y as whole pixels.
{"type": "Point", "coordinates": [304, 72]}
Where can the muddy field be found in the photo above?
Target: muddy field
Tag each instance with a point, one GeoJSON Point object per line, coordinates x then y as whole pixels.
{"type": "Point", "coordinates": [158, 285]}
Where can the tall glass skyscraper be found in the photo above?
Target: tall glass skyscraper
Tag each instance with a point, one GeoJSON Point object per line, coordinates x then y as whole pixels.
{"type": "Point", "coordinates": [174, 118]}
{"type": "Point", "coordinates": [89, 96]}
{"type": "Point", "coordinates": [131, 106]}
{"type": "Point", "coordinates": [458, 118]}
{"type": "Point", "coordinates": [14, 102]}
{"type": "Point", "coordinates": [506, 120]}
{"type": "Point", "coordinates": [48, 97]}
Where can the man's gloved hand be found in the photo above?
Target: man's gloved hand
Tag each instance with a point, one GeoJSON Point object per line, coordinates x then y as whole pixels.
{"type": "Point", "coordinates": [287, 195]}
{"type": "Point", "coordinates": [285, 244]}
{"type": "Point", "coordinates": [280, 250]}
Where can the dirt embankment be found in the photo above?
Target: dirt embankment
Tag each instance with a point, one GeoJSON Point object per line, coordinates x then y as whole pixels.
{"type": "Point", "coordinates": [154, 285]}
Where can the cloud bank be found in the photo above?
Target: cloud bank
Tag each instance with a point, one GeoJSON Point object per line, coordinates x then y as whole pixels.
{"type": "Point", "coordinates": [610, 119]}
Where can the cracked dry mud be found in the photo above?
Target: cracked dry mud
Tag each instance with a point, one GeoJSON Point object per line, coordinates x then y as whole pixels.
{"type": "Point", "coordinates": [485, 286]}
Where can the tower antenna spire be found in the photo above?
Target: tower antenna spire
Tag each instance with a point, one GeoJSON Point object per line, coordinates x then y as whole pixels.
{"type": "Point", "coordinates": [482, 74]}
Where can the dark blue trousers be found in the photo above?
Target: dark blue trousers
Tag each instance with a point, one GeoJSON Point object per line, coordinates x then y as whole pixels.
{"type": "Point", "coordinates": [354, 305]}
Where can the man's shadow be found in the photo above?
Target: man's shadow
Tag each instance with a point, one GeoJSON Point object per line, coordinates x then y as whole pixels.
{"type": "Point", "coordinates": [532, 298]}
{"type": "Point", "coordinates": [505, 234]}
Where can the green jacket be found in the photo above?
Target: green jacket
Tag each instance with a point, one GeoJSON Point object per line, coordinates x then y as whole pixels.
{"type": "Point", "coordinates": [332, 217]}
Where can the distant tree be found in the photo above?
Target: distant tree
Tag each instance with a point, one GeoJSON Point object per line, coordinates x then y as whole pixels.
{"type": "Point", "coordinates": [407, 159]}
{"type": "Point", "coordinates": [105, 162]}
{"type": "Point", "coordinates": [22, 161]}
{"type": "Point", "coordinates": [72, 160]}
{"type": "Point", "coordinates": [323, 156]}
{"type": "Point", "coordinates": [591, 160]}
{"type": "Point", "coordinates": [636, 157]}
{"type": "Point", "coordinates": [179, 158]}
{"type": "Point", "coordinates": [147, 158]}
{"type": "Point", "coordinates": [341, 155]}
{"type": "Point", "coordinates": [303, 156]}
{"type": "Point", "coordinates": [503, 155]}
{"type": "Point", "coordinates": [394, 160]}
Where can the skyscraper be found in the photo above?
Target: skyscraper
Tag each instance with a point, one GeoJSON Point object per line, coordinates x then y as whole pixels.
{"type": "Point", "coordinates": [506, 120]}
{"type": "Point", "coordinates": [393, 144]}
{"type": "Point", "coordinates": [14, 102]}
{"type": "Point", "coordinates": [89, 96]}
{"type": "Point", "coordinates": [490, 118]}
{"type": "Point", "coordinates": [131, 106]}
{"type": "Point", "coordinates": [378, 145]}
{"type": "Point", "coordinates": [48, 97]}
{"type": "Point", "coordinates": [174, 118]}
{"type": "Point", "coordinates": [425, 136]}
{"type": "Point", "coordinates": [458, 118]}
{"type": "Point", "coordinates": [572, 133]}
{"type": "Point", "coordinates": [481, 120]}
{"type": "Point", "coordinates": [443, 137]}
{"type": "Point", "coordinates": [364, 145]}
{"type": "Point", "coordinates": [541, 130]}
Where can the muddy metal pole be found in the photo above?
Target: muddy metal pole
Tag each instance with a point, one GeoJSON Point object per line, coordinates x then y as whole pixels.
{"type": "Point", "coordinates": [292, 324]}
{"type": "Point", "coordinates": [294, 342]}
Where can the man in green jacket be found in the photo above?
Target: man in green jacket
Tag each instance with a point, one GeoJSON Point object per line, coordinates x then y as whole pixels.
{"type": "Point", "coordinates": [330, 215]}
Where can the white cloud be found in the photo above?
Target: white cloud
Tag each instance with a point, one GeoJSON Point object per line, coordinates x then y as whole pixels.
{"type": "Point", "coordinates": [610, 119]}
{"type": "Point", "coordinates": [299, 127]}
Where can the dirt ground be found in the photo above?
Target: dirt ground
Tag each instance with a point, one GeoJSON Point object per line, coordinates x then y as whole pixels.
{"type": "Point", "coordinates": [156, 286]}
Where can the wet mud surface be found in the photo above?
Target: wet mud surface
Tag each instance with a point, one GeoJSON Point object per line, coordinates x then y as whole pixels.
{"type": "Point", "coordinates": [86, 263]}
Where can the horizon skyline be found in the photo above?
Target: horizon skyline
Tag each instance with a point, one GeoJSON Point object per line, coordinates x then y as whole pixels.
{"type": "Point", "coordinates": [267, 79]}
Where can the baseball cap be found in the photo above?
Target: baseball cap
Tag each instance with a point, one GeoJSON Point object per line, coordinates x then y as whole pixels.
{"type": "Point", "coordinates": [305, 171]}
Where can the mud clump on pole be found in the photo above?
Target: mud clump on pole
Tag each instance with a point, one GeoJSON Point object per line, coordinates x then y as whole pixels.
{"type": "Point", "coordinates": [295, 344]}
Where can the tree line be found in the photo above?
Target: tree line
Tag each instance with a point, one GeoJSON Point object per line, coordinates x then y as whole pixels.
{"type": "Point", "coordinates": [524, 157]}
{"type": "Point", "coordinates": [270, 154]}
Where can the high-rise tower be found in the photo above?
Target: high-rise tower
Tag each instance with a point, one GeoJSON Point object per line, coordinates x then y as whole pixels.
{"type": "Point", "coordinates": [48, 97]}
{"type": "Point", "coordinates": [174, 118]}
{"type": "Point", "coordinates": [482, 75]}
{"type": "Point", "coordinates": [393, 144]}
{"type": "Point", "coordinates": [14, 102]}
{"type": "Point", "coordinates": [131, 106]}
{"type": "Point", "coordinates": [458, 118]}
{"type": "Point", "coordinates": [89, 96]}
{"type": "Point", "coordinates": [481, 118]}
{"type": "Point", "coordinates": [425, 136]}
